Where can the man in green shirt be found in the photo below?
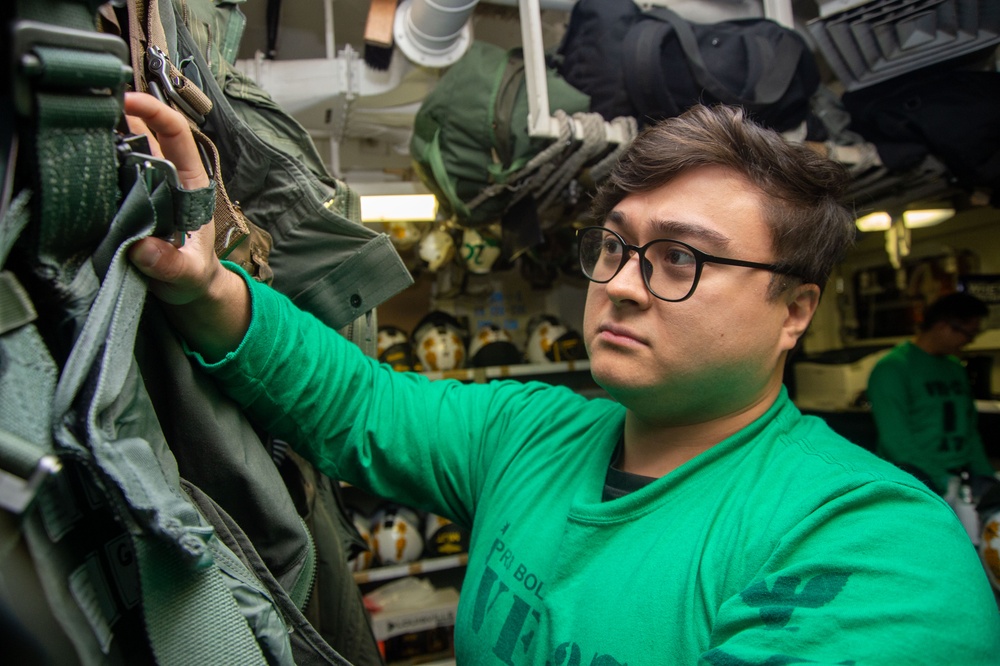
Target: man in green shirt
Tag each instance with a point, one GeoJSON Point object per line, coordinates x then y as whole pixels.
{"type": "Point", "coordinates": [696, 518]}
{"type": "Point", "coordinates": [922, 399]}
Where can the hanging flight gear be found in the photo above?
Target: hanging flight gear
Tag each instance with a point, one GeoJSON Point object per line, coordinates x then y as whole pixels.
{"type": "Point", "coordinates": [131, 571]}
{"type": "Point", "coordinates": [476, 160]}
{"type": "Point", "coordinates": [117, 547]}
{"type": "Point", "coordinates": [215, 446]}
{"type": "Point", "coordinates": [946, 112]}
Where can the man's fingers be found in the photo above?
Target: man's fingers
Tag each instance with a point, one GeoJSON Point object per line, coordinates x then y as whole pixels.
{"type": "Point", "coordinates": [173, 134]}
{"type": "Point", "coordinates": [137, 126]}
{"type": "Point", "coordinates": [156, 258]}
{"type": "Point", "coordinates": [177, 276]}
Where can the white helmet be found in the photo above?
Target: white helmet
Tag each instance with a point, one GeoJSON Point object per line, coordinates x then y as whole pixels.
{"type": "Point", "coordinates": [989, 538]}
{"type": "Point", "coordinates": [393, 347]}
{"type": "Point", "coordinates": [437, 248]}
{"type": "Point", "coordinates": [479, 252]}
{"type": "Point", "coordinates": [396, 536]}
{"type": "Point", "coordinates": [492, 345]}
{"type": "Point", "coordinates": [439, 342]}
{"type": "Point", "coordinates": [403, 235]}
{"type": "Point", "coordinates": [549, 341]}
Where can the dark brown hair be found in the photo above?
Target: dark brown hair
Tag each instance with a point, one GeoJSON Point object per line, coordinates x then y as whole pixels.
{"type": "Point", "coordinates": [958, 306]}
{"type": "Point", "coordinates": [811, 229]}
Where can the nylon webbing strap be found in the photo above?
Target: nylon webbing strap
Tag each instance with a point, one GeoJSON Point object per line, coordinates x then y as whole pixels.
{"type": "Point", "coordinates": [16, 308]}
{"type": "Point", "coordinates": [26, 377]}
{"type": "Point", "coordinates": [68, 81]}
{"type": "Point", "coordinates": [184, 608]}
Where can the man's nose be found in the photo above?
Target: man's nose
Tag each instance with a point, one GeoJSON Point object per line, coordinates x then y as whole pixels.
{"type": "Point", "coordinates": [628, 284]}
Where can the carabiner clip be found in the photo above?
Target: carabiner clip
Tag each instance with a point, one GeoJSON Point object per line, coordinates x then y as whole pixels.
{"type": "Point", "coordinates": [163, 87]}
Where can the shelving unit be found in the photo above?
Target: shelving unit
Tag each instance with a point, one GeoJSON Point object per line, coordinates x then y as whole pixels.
{"type": "Point", "coordinates": [572, 374]}
{"type": "Point", "coordinates": [380, 574]}
{"type": "Point", "coordinates": [527, 371]}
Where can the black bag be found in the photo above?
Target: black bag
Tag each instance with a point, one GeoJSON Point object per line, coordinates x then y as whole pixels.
{"type": "Point", "coordinates": [669, 64]}
{"type": "Point", "coordinates": [952, 115]}
{"type": "Point", "coordinates": [590, 54]}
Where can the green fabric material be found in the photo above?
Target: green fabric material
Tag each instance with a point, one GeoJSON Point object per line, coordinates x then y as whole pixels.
{"type": "Point", "coordinates": [308, 647]}
{"type": "Point", "coordinates": [122, 434]}
{"type": "Point", "coordinates": [219, 23]}
{"type": "Point", "coordinates": [124, 560]}
{"type": "Point", "coordinates": [457, 155]}
{"type": "Point", "coordinates": [219, 451]}
{"type": "Point", "coordinates": [193, 208]}
{"type": "Point", "coordinates": [925, 413]}
{"type": "Point", "coordinates": [180, 603]}
{"type": "Point", "coordinates": [322, 257]}
{"type": "Point", "coordinates": [77, 14]}
{"type": "Point", "coordinates": [78, 173]}
{"type": "Point", "coordinates": [783, 543]}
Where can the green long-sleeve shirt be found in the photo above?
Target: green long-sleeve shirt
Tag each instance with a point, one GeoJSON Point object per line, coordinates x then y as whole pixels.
{"type": "Point", "coordinates": [783, 543]}
{"type": "Point", "coordinates": [925, 414]}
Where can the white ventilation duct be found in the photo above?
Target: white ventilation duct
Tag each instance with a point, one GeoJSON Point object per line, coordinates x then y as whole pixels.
{"type": "Point", "coordinates": [433, 33]}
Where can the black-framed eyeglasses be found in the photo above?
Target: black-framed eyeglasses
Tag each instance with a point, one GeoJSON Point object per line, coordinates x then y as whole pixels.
{"type": "Point", "coordinates": [671, 269]}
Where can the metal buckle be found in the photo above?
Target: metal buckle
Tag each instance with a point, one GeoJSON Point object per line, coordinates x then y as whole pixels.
{"type": "Point", "coordinates": [135, 160]}
{"type": "Point", "coordinates": [164, 87]}
{"type": "Point", "coordinates": [28, 34]}
{"type": "Point", "coordinates": [17, 494]}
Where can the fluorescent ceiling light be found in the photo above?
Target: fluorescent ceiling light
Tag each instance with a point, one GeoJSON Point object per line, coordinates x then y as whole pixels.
{"type": "Point", "coordinates": [880, 221]}
{"type": "Point", "coordinates": [912, 219]}
{"type": "Point", "coordinates": [398, 208]}
{"type": "Point", "coordinates": [917, 219]}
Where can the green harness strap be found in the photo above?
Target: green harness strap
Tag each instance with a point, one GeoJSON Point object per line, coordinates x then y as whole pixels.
{"type": "Point", "coordinates": [72, 149]}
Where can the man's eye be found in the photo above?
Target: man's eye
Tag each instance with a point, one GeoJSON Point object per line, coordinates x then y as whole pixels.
{"type": "Point", "coordinates": [611, 245]}
{"type": "Point", "coordinates": [678, 256]}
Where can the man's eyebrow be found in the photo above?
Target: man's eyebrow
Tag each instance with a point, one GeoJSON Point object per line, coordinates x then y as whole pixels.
{"type": "Point", "coordinates": [676, 229]}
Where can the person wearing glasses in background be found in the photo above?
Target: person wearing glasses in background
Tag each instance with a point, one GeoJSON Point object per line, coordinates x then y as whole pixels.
{"type": "Point", "coordinates": [697, 517]}
{"type": "Point", "coordinates": [922, 399]}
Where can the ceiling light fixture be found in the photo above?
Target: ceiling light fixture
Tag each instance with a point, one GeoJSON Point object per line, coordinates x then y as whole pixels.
{"type": "Point", "coordinates": [928, 217]}
{"type": "Point", "coordinates": [912, 219]}
{"type": "Point", "coordinates": [398, 208]}
{"type": "Point", "coordinates": [878, 221]}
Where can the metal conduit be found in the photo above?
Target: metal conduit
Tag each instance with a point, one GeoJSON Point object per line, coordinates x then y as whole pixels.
{"type": "Point", "coordinates": [433, 33]}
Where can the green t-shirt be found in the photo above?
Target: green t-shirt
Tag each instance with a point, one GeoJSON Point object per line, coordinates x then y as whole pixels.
{"type": "Point", "coordinates": [783, 543]}
{"type": "Point", "coordinates": [925, 413]}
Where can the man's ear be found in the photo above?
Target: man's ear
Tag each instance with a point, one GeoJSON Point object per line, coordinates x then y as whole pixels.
{"type": "Point", "coordinates": [801, 302]}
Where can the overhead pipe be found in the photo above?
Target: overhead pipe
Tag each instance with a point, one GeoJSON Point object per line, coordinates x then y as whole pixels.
{"type": "Point", "coordinates": [433, 33]}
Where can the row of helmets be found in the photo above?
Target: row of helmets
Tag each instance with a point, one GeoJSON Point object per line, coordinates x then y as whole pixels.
{"type": "Point", "coordinates": [440, 343]}
{"type": "Point", "coordinates": [397, 534]}
{"type": "Point", "coordinates": [482, 251]}
{"type": "Point", "coordinates": [438, 246]}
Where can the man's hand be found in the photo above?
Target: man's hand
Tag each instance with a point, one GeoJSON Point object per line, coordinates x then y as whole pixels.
{"type": "Point", "coordinates": [208, 304]}
{"type": "Point", "coordinates": [178, 275]}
